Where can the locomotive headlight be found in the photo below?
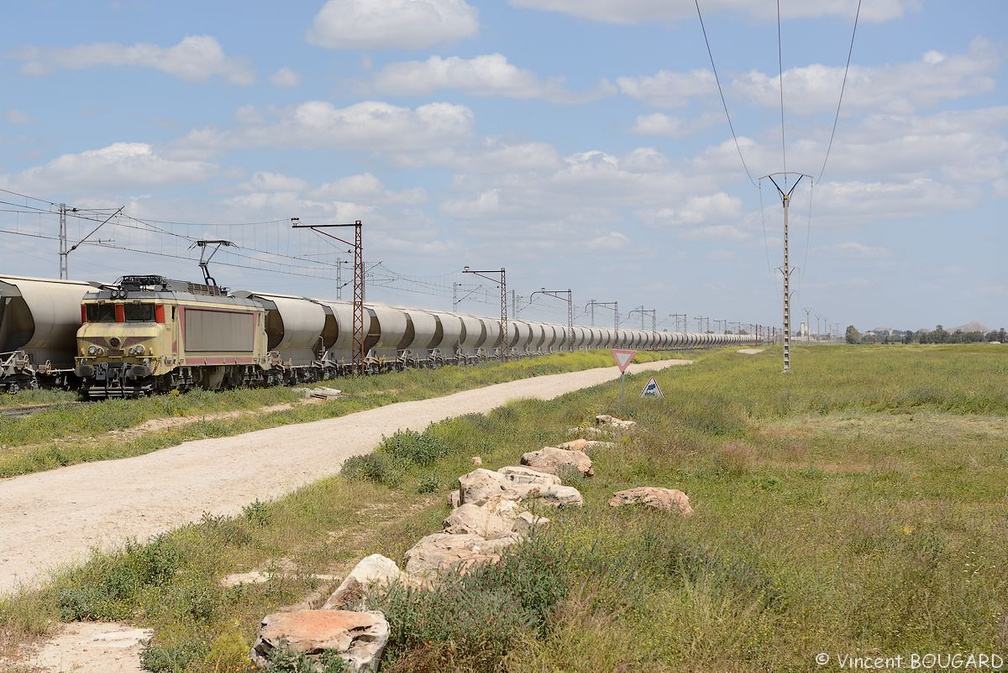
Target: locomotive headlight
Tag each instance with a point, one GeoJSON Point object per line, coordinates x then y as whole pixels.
{"type": "Point", "coordinates": [92, 350]}
{"type": "Point", "coordinates": [137, 350]}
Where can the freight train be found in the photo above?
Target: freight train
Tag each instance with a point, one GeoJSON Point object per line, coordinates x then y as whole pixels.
{"type": "Point", "coordinates": [149, 334]}
{"type": "Point", "coordinates": [39, 319]}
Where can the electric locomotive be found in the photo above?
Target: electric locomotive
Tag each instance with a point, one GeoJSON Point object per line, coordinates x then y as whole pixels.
{"type": "Point", "coordinates": [151, 334]}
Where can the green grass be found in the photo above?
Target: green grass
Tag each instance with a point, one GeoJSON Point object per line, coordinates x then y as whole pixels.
{"type": "Point", "coordinates": [70, 433]}
{"type": "Point", "coordinates": [855, 506]}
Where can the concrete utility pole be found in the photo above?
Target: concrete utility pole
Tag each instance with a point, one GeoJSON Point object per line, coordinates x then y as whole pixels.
{"type": "Point", "coordinates": [786, 270]}
{"type": "Point", "coordinates": [502, 280]}
{"type": "Point", "coordinates": [358, 355]}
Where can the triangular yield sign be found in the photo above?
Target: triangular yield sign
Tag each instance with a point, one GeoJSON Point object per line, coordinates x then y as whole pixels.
{"type": "Point", "coordinates": [622, 358]}
{"type": "Point", "coordinates": [651, 389]}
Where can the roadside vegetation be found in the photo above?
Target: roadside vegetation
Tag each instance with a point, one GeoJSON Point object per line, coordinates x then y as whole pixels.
{"type": "Point", "coordinates": [67, 433]}
{"type": "Point", "coordinates": [855, 506]}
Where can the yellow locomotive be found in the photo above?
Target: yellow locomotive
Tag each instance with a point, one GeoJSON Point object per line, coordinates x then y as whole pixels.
{"type": "Point", "coordinates": [150, 334]}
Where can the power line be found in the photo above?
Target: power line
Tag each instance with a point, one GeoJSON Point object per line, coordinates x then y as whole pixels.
{"type": "Point", "coordinates": [724, 104]}
{"type": "Point", "coordinates": [780, 82]}
{"type": "Point", "coordinates": [842, 87]}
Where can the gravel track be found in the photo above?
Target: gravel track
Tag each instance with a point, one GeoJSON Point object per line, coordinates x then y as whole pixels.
{"type": "Point", "coordinates": [54, 518]}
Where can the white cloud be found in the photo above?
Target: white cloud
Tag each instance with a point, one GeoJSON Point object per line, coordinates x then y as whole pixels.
{"type": "Point", "coordinates": [589, 191]}
{"type": "Point", "coordinates": [113, 169]}
{"type": "Point", "coordinates": [613, 240]}
{"type": "Point", "coordinates": [479, 206]}
{"type": "Point", "coordinates": [669, 89]}
{"type": "Point", "coordinates": [717, 232]}
{"type": "Point", "coordinates": [285, 78]}
{"type": "Point", "coordinates": [667, 126]}
{"type": "Point", "coordinates": [389, 24]}
{"type": "Point", "coordinates": [496, 156]}
{"type": "Point", "coordinates": [487, 75]}
{"type": "Point", "coordinates": [627, 12]}
{"type": "Point", "coordinates": [894, 89]}
{"type": "Point", "coordinates": [17, 117]}
{"type": "Point", "coordinates": [196, 58]}
{"type": "Point", "coordinates": [700, 210]}
{"type": "Point", "coordinates": [366, 188]}
{"type": "Point", "coordinates": [368, 125]}
{"type": "Point", "coordinates": [856, 250]}
{"type": "Point", "coordinates": [264, 181]}
{"type": "Point", "coordinates": [858, 201]}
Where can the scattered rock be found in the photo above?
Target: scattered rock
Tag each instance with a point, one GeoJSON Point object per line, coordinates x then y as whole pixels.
{"type": "Point", "coordinates": [664, 499]}
{"type": "Point", "coordinates": [556, 496]}
{"type": "Point", "coordinates": [526, 521]}
{"type": "Point", "coordinates": [318, 393]}
{"type": "Point", "coordinates": [358, 637]}
{"type": "Point", "coordinates": [588, 430]}
{"type": "Point", "coordinates": [520, 474]}
{"type": "Point", "coordinates": [480, 485]}
{"type": "Point", "coordinates": [492, 489]}
{"type": "Point", "coordinates": [585, 444]}
{"type": "Point", "coordinates": [476, 520]}
{"type": "Point", "coordinates": [369, 571]}
{"type": "Point", "coordinates": [477, 461]}
{"type": "Point", "coordinates": [613, 422]}
{"type": "Point", "coordinates": [551, 459]}
{"type": "Point", "coordinates": [443, 552]}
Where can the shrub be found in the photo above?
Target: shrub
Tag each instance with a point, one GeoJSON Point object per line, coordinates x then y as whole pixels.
{"type": "Point", "coordinates": [286, 660]}
{"type": "Point", "coordinates": [472, 621]}
{"type": "Point", "coordinates": [374, 467]}
{"type": "Point", "coordinates": [429, 484]}
{"type": "Point", "coordinates": [171, 658]}
{"type": "Point", "coordinates": [257, 513]}
{"type": "Point", "coordinates": [413, 448]}
{"type": "Point", "coordinates": [119, 580]}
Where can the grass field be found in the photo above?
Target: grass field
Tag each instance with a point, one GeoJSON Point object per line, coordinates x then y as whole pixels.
{"type": "Point", "coordinates": [68, 433]}
{"type": "Point", "coordinates": [856, 506]}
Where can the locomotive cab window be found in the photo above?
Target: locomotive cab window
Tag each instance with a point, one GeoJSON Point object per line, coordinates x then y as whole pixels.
{"type": "Point", "coordinates": [139, 312]}
{"type": "Point", "coordinates": [101, 312]}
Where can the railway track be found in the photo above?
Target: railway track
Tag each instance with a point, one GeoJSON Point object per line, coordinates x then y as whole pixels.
{"type": "Point", "coordinates": [25, 410]}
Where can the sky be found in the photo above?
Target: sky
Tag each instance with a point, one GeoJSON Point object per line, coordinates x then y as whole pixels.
{"type": "Point", "coordinates": [582, 145]}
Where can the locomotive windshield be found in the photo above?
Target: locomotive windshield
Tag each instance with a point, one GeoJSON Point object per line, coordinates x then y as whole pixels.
{"type": "Point", "coordinates": [106, 312]}
{"type": "Point", "coordinates": [139, 312]}
{"type": "Point", "coordinates": [101, 313]}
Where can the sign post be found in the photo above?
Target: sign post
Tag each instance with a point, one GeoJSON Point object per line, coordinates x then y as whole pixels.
{"type": "Point", "coordinates": [622, 358]}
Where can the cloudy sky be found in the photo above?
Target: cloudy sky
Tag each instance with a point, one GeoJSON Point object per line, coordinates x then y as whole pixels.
{"type": "Point", "coordinates": [579, 144]}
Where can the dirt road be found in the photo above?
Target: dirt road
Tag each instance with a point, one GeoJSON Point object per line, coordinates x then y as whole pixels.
{"type": "Point", "coordinates": [55, 518]}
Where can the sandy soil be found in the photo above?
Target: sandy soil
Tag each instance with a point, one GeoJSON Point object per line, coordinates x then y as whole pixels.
{"type": "Point", "coordinates": [57, 517]}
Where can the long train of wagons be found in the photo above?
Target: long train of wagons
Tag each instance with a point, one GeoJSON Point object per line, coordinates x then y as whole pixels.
{"type": "Point", "coordinates": [149, 334]}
